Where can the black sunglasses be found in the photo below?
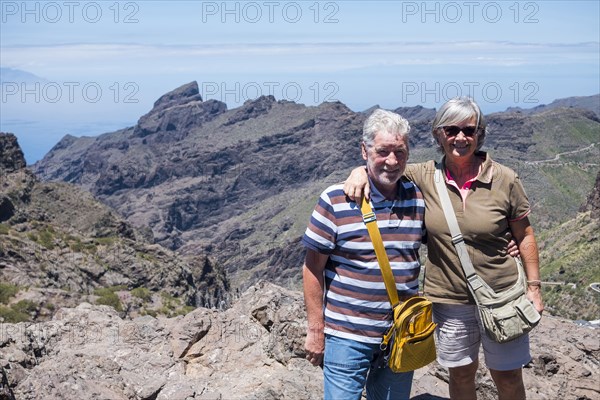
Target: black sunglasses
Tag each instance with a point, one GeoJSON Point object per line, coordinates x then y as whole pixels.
{"type": "Point", "coordinates": [453, 130]}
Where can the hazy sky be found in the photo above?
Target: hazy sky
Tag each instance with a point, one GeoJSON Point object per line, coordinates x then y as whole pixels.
{"type": "Point", "coordinates": [89, 67]}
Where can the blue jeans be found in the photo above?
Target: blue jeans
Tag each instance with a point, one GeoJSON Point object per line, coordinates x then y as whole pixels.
{"type": "Point", "coordinates": [347, 367]}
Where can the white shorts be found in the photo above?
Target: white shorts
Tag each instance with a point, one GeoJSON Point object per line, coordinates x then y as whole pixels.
{"type": "Point", "coordinates": [459, 333]}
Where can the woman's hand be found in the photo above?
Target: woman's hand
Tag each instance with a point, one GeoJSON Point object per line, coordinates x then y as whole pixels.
{"type": "Point", "coordinates": [534, 294]}
{"type": "Point", "coordinates": [512, 248]}
{"type": "Point", "coordinates": [357, 184]}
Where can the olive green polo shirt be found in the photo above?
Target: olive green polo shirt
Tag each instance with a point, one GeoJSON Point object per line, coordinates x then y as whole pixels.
{"type": "Point", "coordinates": [494, 198]}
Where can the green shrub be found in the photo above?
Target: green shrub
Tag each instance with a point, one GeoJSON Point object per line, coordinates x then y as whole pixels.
{"type": "Point", "coordinates": [9, 315]}
{"type": "Point", "coordinates": [46, 239]}
{"type": "Point", "coordinates": [4, 229]}
{"type": "Point", "coordinates": [149, 312]}
{"type": "Point", "coordinates": [101, 291]}
{"type": "Point", "coordinates": [90, 247]}
{"type": "Point", "coordinates": [18, 312]}
{"type": "Point", "coordinates": [166, 312]}
{"type": "Point", "coordinates": [108, 297]}
{"type": "Point", "coordinates": [7, 291]}
{"type": "Point", "coordinates": [142, 293]}
{"type": "Point", "coordinates": [106, 241]}
{"type": "Point", "coordinates": [145, 256]}
{"type": "Point", "coordinates": [169, 302]}
{"type": "Point", "coordinates": [75, 244]}
{"type": "Point", "coordinates": [24, 306]}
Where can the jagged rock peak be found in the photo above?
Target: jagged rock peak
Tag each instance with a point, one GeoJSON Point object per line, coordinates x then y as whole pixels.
{"type": "Point", "coordinates": [179, 111]}
{"type": "Point", "coordinates": [264, 99]}
{"type": "Point", "coordinates": [371, 109]}
{"type": "Point", "coordinates": [65, 142]}
{"type": "Point", "coordinates": [11, 156]}
{"type": "Point", "coordinates": [252, 109]}
{"type": "Point", "coordinates": [416, 113]}
{"type": "Point", "coordinates": [182, 94]}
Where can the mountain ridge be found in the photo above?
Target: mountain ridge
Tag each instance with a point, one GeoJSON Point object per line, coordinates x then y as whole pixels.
{"type": "Point", "coordinates": [240, 184]}
{"type": "Point", "coordinates": [59, 246]}
{"type": "Point", "coordinates": [591, 103]}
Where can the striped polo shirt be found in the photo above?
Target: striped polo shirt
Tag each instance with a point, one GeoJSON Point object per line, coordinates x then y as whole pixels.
{"type": "Point", "coordinates": [356, 302]}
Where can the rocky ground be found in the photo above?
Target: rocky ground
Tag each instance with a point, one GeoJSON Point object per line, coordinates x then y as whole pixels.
{"type": "Point", "coordinates": [254, 350]}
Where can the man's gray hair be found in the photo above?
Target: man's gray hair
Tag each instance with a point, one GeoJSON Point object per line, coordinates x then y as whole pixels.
{"type": "Point", "coordinates": [384, 121]}
{"type": "Point", "coordinates": [455, 111]}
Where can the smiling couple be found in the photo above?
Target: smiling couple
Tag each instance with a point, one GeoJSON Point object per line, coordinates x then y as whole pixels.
{"type": "Point", "coordinates": [345, 296]}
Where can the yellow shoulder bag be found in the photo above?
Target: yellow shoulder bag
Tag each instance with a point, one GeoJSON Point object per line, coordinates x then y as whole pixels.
{"type": "Point", "coordinates": [409, 342]}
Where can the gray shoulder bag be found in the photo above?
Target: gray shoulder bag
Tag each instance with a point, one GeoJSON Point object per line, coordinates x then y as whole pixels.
{"type": "Point", "coordinates": [506, 315]}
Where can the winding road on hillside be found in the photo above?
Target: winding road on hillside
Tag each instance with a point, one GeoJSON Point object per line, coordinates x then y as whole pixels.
{"type": "Point", "coordinates": [559, 155]}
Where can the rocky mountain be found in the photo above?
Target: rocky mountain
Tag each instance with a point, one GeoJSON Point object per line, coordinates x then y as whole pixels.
{"type": "Point", "coordinates": [240, 184]}
{"type": "Point", "coordinates": [254, 350]}
{"type": "Point", "coordinates": [591, 103]}
{"type": "Point", "coordinates": [12, 158]}
{"type": "Point", "coordinates": [592, 203]}
{"type": "Point", "coordinates": [59, 246]}
{"type": "Point", "coordinates": [205, 187]}
{"type": "Point", "coordinates": [569, 256]}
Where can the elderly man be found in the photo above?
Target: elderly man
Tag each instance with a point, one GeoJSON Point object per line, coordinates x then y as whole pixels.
{"type": "Point", "coordinates": [346, 300]}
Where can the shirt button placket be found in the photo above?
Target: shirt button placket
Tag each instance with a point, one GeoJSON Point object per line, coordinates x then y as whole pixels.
{"type": "Point", "coordinates": [393, 221]}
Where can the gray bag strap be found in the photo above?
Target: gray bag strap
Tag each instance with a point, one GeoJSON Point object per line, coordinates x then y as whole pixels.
{"type": "Point", "coordinates": [481, 292]}
{"type": "Point", "coordinates": [474, 281]}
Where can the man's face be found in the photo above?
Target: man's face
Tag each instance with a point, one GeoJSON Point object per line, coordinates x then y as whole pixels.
{"type": "Point", "coordinates": [386, 158]}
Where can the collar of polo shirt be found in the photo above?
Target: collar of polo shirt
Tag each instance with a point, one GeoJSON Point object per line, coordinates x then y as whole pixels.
{"type": "Point", "coordinates": [377, 197]}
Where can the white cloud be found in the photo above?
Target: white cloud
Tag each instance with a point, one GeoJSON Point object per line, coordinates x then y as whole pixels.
{"type": "Point", "coordinates": [105, 59]}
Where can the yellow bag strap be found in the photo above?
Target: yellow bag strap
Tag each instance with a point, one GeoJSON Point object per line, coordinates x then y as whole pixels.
{"type": "Point", "coordinates": [370, 221]}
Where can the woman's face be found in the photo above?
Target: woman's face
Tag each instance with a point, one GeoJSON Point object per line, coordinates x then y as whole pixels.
{"type": "Point", "coordinates": [460, 140]}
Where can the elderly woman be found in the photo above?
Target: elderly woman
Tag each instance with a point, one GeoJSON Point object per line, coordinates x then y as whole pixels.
{"type": "Point", "coordinates": [490, 203]}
